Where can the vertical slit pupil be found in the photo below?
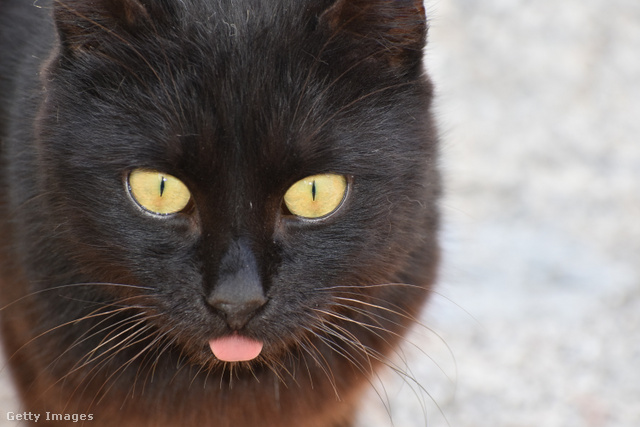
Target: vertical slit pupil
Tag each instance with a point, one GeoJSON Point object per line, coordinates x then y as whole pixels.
{"type": "Point", "coordinates": [313, 190]}
{"type": "Point", "coordinates": [162, 185]}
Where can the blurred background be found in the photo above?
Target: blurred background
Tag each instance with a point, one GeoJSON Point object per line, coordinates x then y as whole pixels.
{"type": "Point", "coordinates": [537, 317]}
{"type": "Point", "coordinates": [536, 321]}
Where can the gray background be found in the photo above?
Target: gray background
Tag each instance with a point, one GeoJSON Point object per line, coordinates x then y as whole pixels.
{"type": "Point", "coordinates": [537, 317]}
{"type": "Point", "coordinates": [539, 300]}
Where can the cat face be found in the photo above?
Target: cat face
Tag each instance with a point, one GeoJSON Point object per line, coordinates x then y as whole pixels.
{"type": "Point", "coordinates": [238, 170]}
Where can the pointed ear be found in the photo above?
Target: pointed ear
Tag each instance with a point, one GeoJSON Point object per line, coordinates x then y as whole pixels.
{"type": "Point", "coordinates": [82, 24]}
{"type": "Point", "coordinates": [395, 30]}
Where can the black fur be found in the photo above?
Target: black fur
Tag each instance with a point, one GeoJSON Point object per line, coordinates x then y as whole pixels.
{"type": "Point", "coordinates": [107, 311]}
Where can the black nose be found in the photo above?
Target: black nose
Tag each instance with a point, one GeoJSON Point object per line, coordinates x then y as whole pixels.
{"type": "Point", "coordinates": [236, 311]}
{"type": "Point", "coordinates": [238, 294]}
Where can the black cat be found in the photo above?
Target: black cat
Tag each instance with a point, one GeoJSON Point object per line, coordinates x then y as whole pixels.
{"type": "Point", "coordinates": [212, 212]}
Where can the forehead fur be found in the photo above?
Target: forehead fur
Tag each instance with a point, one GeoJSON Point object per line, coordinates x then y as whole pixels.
{"type": "Point", "coordinates": [244, 82]}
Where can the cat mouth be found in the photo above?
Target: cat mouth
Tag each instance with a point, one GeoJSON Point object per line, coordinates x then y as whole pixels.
{"type": "Point", "coordinates": [235, 348]}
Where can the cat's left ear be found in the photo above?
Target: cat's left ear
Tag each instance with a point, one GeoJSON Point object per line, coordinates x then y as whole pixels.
{"type": "Point", "coordinates": [82, 24]}
{"type": "Point", "coordinates": [392, 30]}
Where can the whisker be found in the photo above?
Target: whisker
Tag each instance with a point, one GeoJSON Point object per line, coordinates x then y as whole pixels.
{"type": "Point", "coordinates": [126, 365]}
{"type": "Point", "coordinates": [108, 357]}
{"type": "Point", "coordinates": [345, 334]}
{"type": "Point", "coordinates": [371, 286]}
{"type": "Point", "coordinates": [196, 375]}
{"type": "Point", "coordinates": [281, 366]}
{"type": "Point", "coordinates": [98, 365]}
{"type": "Point", "coordinates": [336, 348]}
{"type": "Point", "coordinates": [159, 354]}
{"type": "Point", "coordinates": [377, 317]}
{"type": "Point", "coordinates": [452, 380]}
{"type": "Point", "coordinates": [405, 374]}
{"type": "Point", "coordinates": [224, 369]}
{"type": "Point", "coordinates": [307, 351]}
{"type": "Point", "coordinates": [398, 284]}
{"type": "Point", "coordinates": [51, 330]}
{"type": "Point", "coordinates": [91, 357]}
{"type": "Point", "coordinates": [397, 311]}
{"type": "Point", "coordinates": [106, 340]}
{"type": "Point", "coordinates": [206, 378]}
{"type": "Point", "coordinates": [357, 345]}
{"type": "Point", "coordinates": [144, 363]}
{"type": "Point", "coordinates": [85, 336]}
{"type": "Point", "coordinates": [73, 285]}
{"type": "Point", "coordinates": [325, 367]}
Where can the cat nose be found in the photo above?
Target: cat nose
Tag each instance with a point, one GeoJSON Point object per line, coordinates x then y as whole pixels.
{"type": "Point", "coordinates": [238, 294]}
{"type": "Point", "coordinates": [237, 312]}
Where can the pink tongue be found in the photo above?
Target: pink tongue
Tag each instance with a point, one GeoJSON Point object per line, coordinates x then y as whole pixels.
{"type": "Point", "coordinates": [235, 348]}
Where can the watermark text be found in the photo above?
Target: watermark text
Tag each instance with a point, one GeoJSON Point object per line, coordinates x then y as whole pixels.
{"type": "Point", "coordinates": [47, 416]}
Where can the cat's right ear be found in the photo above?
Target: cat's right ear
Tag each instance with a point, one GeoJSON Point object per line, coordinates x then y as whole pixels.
{"type": "Point", "coordinates": [84, 24]}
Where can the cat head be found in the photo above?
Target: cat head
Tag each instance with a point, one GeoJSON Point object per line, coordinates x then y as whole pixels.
{"type": "Point", "coordinates": [237, 168]}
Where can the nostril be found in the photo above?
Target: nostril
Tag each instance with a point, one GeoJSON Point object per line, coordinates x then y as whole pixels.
{"type": "Point", "coordinates": [237, 314]}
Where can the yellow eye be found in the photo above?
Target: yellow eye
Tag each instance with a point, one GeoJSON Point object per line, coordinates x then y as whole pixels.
{"type": "Point", "coordinates": [158, 192]}
{"type": "Point", "coordinates": [316, 196]}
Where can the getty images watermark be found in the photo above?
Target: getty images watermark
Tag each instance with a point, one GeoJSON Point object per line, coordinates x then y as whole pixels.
{"type": "Point", "coordinates": [47, 416]}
